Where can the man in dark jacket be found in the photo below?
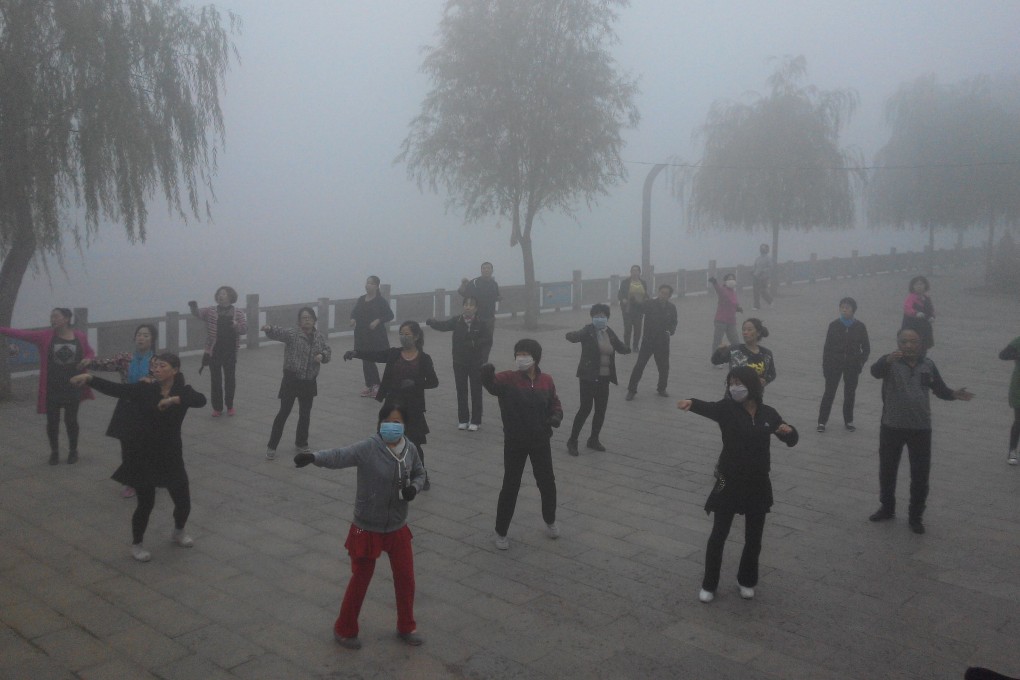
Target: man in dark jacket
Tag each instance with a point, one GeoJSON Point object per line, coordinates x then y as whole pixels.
{"type": "Point", "coordinates": [472, 340]}
{"type": "Point", "coordinates": [530, 410]}
{"type": "Point", "coordinates": [660, 325]}
{"type": "Point", "coordinates": [845, 352]}
{"type": "Point", "coordinates": [908, 377]}
{"type": "Point", "coordinates": [485, 291]}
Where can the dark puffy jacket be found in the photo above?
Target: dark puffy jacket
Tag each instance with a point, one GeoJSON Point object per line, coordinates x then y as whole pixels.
{"type": "Point", "coordinates": [591, 360]}
{"type": "Point", "coordinates": [845, 347]}
{"type": "Point", "coordinates": [530, 408]}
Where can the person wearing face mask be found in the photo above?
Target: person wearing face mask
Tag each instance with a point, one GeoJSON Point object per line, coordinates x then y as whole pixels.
{"type": "Point", "coordinates": [660, 325]}
{"type": "Point", "coordinates": [224, 326]}
{"type": "Point", "coordinates": [305, 349]}
{"type": "Point", "coordinates": [595, 371]}
{"type": "Point", "coordinates": [485, 291]}
{"type": "Point", "coordinates": [62, 351]}
{"type": "Point", "coordinates": [472, 339]}
{"type": "Point", "coordinates": [726, 309]}
{"type": "Point", "coordinates": [632, 296]}
{"type": "Point", "coordinates": [390, 475]}
{"type": "Point", "coordinates": [369, 317]}
{"type": "Point", "coordinates": [409, 372]}
{"type": "Point", "coordinates": [133, 367]}
{"type": "Point", "coordinates": [530, 410]}
{"type": "Point", "coordinates": [750, 353]}
{"type": "Point", "coordinates": [742, 483]}
{"type": "Point", "coordinates": [844, 354]}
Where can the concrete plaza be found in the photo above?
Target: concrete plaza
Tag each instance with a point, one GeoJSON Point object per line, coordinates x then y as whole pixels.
{"type": "Point", "coordinates": [614, 597]}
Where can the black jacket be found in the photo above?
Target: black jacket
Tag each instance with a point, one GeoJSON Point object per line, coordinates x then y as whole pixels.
{"type": "Point", "coordinates": [588, 366]}
{"type": "Point", "coordinates": [470, 344]}
{"type": "Point", "coordinates": [846, 347]}
{"type": "Point", "coordinates": [364, 313]}
{"type": "Point", "coordinates": [746, 440]}
{"type": "Point", "coordinates": [660, 320]}
{"type": "Point", "coordinates": [530, 408]}
{"type": "Point", "coordinates": [412, 396]}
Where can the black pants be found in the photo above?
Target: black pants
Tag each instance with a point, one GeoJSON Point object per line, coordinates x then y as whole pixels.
{"type": "Point", "coordinates": [747, 574]}
{"type": "Point", "coordinates": [70, 422]}
{"type": "Point", "coordinates": [223, 372]}
{"type": "Point", "coordinates": [760, 284]}
{"type": "Point", "coordinates": [304, 419]}
{"type": "Point", "coordinates": [660, 350]}
{"type": "Point", "coordinates": [180, 494]}
{"type": "Point", "coordinates": [491, 325]}
{"type": "Point", "coordinates": [514, 458]}
{"type": "Point", "coordinates": [371, 372]}
{"type": "Point", "coordinates": [467, 376]}
{"type": "Point", "coordinates": [890, 450]}
{"type": "Point", "coordinates": [632, 317]}
{"type": "Point", "coordinates": [593, 393]}
{"type": "Point", "coordinates": [1014, 432]}
{"type": "Point", "coordinates": [850, 376]}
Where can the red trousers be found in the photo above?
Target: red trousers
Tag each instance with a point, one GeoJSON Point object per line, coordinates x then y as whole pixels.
{"type": "Point", "coordinates": [365, 547]}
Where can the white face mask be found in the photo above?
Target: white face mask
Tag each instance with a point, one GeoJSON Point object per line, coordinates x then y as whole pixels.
{"type": "Point", "coordinates": [731, 283]}
{"type": "Point", "coordinates": [739, 393]}
{"type": "Point", "coordinates": [524, 363]}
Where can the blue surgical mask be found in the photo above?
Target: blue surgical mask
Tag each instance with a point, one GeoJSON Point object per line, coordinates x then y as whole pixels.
{"type": "Point", "coordinates": [391, 432]}
{"type": "Point", "coordinates": [847, 321]}
{"type": "Point", "coordinates": [600, 322]}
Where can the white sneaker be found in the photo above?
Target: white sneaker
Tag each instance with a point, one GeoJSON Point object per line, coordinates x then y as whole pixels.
{"type": "Point", "coordinates": [140, 553]}
{"type": "Point", "coordinates": [1011, 458]}
{"type": "Point", "coordinates": [706, 596]}
{"type": "Point", "coordinates": [270, 454]}
{"type": "Point", "coordinates": [502, 542]}
{"type": "Point", "coordinates": [472, 428]}
{"type": "Point", "coordinates": [462, 426]}
{"type": "Point", "coordinates": [552, 531]}
{"type": "Point", "coordinates": [182, 539]}
{"type": "Point", "coordinates": [746, 593]}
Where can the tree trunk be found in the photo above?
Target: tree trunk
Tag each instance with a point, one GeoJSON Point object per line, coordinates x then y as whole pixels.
{"type": "Point", "coordinates": [12, 272]}
{"type": "Point", "coordinates": [774, 279]}
{"type": "Point", "coordinates": [531, 306]}
{"type": "Point", "coordinates": [930, 264]}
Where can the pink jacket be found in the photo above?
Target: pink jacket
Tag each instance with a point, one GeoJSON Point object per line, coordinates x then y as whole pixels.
{"type": "Point", "coordinates": [42, 340]}
{"type": "Point", "coordinates": [915, 303]}
{"type": "Point", "coordinates": [726, 309]}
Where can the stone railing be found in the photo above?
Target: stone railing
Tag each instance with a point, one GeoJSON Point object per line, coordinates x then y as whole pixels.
{"type": "Point", "coordinates": [181, 332]}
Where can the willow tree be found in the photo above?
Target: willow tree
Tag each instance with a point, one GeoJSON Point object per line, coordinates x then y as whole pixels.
{"type": "Point", "coordinates": [104, 105]}
{"type": "Point", "coordinates": [775, 161]}
{"type": "Point", "coordinates": [952, 159]}
{"type": "Point", "coordinates": [525, 113]}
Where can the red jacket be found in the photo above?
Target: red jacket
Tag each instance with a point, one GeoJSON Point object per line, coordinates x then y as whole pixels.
{"type": "Point", "coordinates": [530, 409]}
{"type": "Point", "coordinates": [42, 339]}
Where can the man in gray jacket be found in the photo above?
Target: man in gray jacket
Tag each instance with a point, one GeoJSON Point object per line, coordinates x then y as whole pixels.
{"type": "Point", "coordinates": [908, 377]}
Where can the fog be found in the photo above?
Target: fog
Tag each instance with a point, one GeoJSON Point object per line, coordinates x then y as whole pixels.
{"type": "Point", "coordinates": [309, 202]}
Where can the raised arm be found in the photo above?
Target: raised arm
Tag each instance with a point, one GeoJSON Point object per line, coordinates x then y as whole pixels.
{"type": "Point", "coordinates": [491, 382]}
{"type": "Point", "coordinates": [575, 336]}
{"type": "Point", "coordinates": [37, 338]}
{"type": "Point", "coordinates": [721, 355]}
{"type": "Point", "coordinates": [1011, 352]}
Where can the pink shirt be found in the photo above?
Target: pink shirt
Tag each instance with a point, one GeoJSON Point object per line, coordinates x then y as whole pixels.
{"type": "Point", "coordinates": [726, 309]}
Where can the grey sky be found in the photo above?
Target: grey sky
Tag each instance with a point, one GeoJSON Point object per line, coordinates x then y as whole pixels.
{"type": "Point", "coordinates": [309, 202]}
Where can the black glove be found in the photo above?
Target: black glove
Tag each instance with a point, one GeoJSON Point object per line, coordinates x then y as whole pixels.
{"type": "Point", "coordinates": [348, 355]}
{"type": "Point", "coordinates": [429, 322]}
{"type": "Point", "coordinates": [711, 279]}
{"type": "Point", "coordinates": [406, 384]}
{"type": "Point", "coordinates": [554, 420]}
{"type": "Point", "coordinates": [740, 309]}
{"type": "Point", "coordinates": [487, 370]}
{"type": "Point", "coordinates": [303, 459]}
{"type": "Point", "coordinates": [409, 492]}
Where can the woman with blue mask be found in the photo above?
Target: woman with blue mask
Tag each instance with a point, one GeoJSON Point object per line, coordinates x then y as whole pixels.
{"type": "Point", "coordinates": [409, 372]}
{"type": "Point", "coordinates": [390, 474]}
{"type": "Point", "coordinates": [844, 354]}
{"type": "Point", "coordinates": [742, 473]}
{"type": "Point", "coordinates": [595, 371]}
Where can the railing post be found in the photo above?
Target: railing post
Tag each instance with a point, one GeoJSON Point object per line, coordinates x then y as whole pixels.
{"type": "Point", "coordinates": [172, 337]}
{"type": "Point", "coordinates": [251, 305]}
{"type": "Point", "coordinates": [576, 288]}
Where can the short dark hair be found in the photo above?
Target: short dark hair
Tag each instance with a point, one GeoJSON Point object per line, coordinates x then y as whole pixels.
{"type": "Point", "coordinates": [231, 293]}
{"type": "Point", "coordinates": [530, 346]}
{"type": "Point", "coordinates": [729, 276]}
{"type": "Point", "coordinates": [487, 263]}
{"type": "Point", "coordinates": [315, 317]}
{"type": "Point", "coordinates": [599, 308]}
{"type": "Point", "coordinates": [419, 336]}
{"type": "Point", "coordinates": [66, 313]}
{"type": "Point", "coordinates": [470, 297]}
{"type": "Point", "coordinates": [750, 379]}
{"type": "Point", "coordinates": [758, 326]}
{"type": "Point", "coordinates": [922, 279]}
{"type": "Point", "coordinates": [374, 279]}
{"type": "Point", "coordinates": [153, 331]}
{"type": "Point", "coordinates": [169, 358]}
{"type": "Point", "coordinates": [849, 301]}
{"type": "Point", "coordinates": [635, 266]}
{"type": "Point", "coordinates": [668, 287]}
{"type": "Point", "coordinates": [389, 407]}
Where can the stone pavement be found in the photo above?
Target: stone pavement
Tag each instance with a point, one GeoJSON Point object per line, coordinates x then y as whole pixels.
{"type": "Point", "coordinates": [615, 597]}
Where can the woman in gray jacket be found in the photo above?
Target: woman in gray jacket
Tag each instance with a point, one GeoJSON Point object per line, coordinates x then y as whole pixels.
{"type": "Point", "coordinates": [390, 474]}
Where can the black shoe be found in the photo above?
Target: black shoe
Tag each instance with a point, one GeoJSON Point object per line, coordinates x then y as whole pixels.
{"type": "Point", "coordinates": [630, 395]}
{"type": "Point", "coordinates": [662, 393]}
{"type": "Point", "coordinates": [820, 428]}
{"type": "Point", "coordinates": [882, 514]}
{"type": "Point", "coordinates": [54, 457]}
{"type": "Point", "coordinates": [916, 525]}
{"type": "Point", "coordinates": [572, 447]}
{"type": "Point", "coordinates": [595, 444]}
{"type": "Point", "coordinates": [72, 458]}
{"type": "Point", "coordinates": [850, 427]}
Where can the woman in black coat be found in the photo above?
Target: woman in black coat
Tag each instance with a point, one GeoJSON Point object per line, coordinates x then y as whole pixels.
{"type": "Point", "coordinates": [742, 473]}
{"type": "Point", "coordinates": [472, 340]}
{"type": "Point", "coordinates": [596, 369]}
{"type": "Point", "coordinates": [369, 317]}
{"type": "Point", "coordinates": [409, 372]}
{"type": "Point", "coordinates": [155, 454]}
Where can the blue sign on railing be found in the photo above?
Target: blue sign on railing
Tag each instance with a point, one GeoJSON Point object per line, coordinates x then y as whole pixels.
{"type": "Point", "coordinates": [557, 295]}
{"type": "Point", "coordinates": [21, 353]}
